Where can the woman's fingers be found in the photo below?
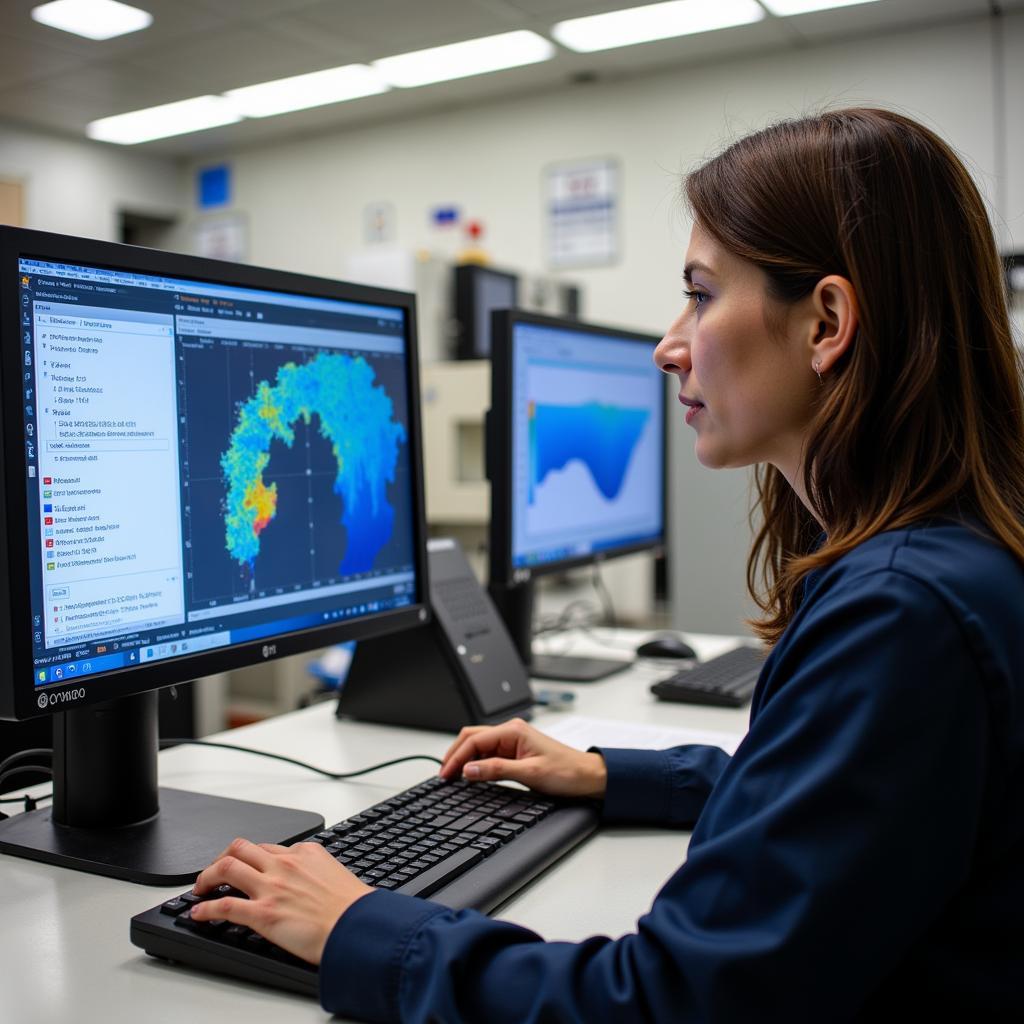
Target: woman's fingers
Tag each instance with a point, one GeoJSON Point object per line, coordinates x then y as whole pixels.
{"type": "Point", "coordinates": [240, 866]}
{"type": "Point", "coordinates": [499, 740]}
{"type": "Point", "coordinates": [467, 730]}
{"type": "Point", "coordinates": [275, 849]}
{"type": "Point", "coordinates": [492, 769]}
{"type": "Point", "coordinates": [228, 908]}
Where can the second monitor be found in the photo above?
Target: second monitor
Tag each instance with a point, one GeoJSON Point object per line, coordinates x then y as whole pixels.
{"type": "Point", "coordinates": [576, 459]}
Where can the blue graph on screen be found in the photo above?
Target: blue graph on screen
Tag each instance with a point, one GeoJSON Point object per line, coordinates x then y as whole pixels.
{"type": "Point", "coordinates": [603, 437]}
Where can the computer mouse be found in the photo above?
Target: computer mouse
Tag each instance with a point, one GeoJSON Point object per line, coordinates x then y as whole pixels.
{"type": "Point", "coordinates": [667, 646]}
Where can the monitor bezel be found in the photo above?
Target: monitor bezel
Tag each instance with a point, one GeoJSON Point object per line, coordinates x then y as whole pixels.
{"type": "Point", "coordinates": [499, 450]}
{"type": "Point", "coordinates": [466, 276]}
{"type": "Point", "coordinates": [18, 696]}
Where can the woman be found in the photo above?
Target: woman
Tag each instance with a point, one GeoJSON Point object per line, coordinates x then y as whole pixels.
{"type": "Point", "coordinates": [861, 854]}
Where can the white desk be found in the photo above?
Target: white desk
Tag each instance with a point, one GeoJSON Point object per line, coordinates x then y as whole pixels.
{"type": "Point", "coordinates": [64, 949]}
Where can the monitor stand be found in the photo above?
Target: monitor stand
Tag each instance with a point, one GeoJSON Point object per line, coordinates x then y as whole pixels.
{"type": "Point", "coordinates": [110, 818]}
{"type": "Point", "coordinates": [573, 668]}
{"type": "Point", "coordinates": [515, 604]}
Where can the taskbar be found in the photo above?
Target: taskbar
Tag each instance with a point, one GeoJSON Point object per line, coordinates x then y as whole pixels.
{"type": "Point", "coordinates": [580, 549]}
{"type": "Point", "coordinates": [144, 651]}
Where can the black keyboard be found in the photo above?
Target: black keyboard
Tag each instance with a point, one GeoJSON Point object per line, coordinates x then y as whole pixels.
{"type": "Point", "coordinates": [466, 845]}
{"type": "Point", "coordinates": [726, 681]}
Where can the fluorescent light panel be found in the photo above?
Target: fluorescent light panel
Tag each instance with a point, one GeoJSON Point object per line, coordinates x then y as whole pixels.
{"type": "Point", "coordinates": [94, 19]}
{"type": "Point", "coordinates": [460, 60]}
{"type": "Point", "coordinates": [786, 8]}
{"type": "Point", "coordinates": [654, 21]}
{"type": "Point", "coordinates": [335, 85]}
{"type": "Point", "coordinates": [161, 122]}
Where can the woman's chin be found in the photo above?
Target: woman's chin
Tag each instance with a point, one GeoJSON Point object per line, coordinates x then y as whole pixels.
{"type": "Point", "coordinates": [714, 457]}
{"type": "Point", "coordinates": [707, 455]}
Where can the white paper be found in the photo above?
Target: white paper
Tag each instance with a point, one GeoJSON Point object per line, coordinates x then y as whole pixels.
{"type": "Point", "coordinates": [582, 732]}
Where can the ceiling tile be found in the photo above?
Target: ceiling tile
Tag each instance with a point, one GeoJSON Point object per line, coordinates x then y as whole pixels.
{"type": "Point", "coordinates": [251, 10]}
{"type": "Point", "coordinates": [115, 87]}
{"type": "Point", "coordinates": [387, 27]}
{"type": "Point", "coordinates": [21, 62]}
{"type": "Point", "coordinates": [218, 61]}
{"type": "Point", "coordinates": [66, 112]}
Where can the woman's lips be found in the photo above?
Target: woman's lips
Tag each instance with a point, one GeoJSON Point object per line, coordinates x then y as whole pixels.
{"type": "Point", "coordinates": [693, 407]}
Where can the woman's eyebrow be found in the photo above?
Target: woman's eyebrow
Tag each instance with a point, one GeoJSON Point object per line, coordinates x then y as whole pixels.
{"type": "Point", "coordinates": [696, 265]}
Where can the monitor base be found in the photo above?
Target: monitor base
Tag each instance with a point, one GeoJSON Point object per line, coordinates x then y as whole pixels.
{"type": "Point", "coordinates": [190, 831]}
{"type": "Point", "coordinates": [574, 669]}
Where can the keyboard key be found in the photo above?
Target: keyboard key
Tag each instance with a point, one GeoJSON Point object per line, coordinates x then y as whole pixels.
{"type": "Point", "coordinates": [235, 934]}
{"type": "Point", "coordinates": [465, 821]}
{"type": "Point", "coordinates": [483, 825]}
{"type": "Point", "coordinates": [440, 874]}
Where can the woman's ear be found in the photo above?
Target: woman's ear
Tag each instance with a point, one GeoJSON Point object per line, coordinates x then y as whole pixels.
{"type": "Point", "coordinates": [837, 317]}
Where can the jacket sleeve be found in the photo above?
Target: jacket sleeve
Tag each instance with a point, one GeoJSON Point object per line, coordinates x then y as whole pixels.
{"type": "Point", "coordinates": [837, 832]}
{"type": "Point", "coordinates": [662, 787]}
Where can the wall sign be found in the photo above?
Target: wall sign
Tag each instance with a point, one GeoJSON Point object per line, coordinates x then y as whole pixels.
{"type": "Point", "coordinates": [213, 186]}
{"type": "Point", "coordinates": [223, 236]}
{"type": "Point", "coordinates": [582, 213]}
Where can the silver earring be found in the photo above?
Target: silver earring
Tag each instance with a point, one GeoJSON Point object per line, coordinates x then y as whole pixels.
{"type": "Point", "coordinates": [817, 370]}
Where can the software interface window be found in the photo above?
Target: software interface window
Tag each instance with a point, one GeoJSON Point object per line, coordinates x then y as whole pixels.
{"type": "Point", "coordinates": [587, 463]}
{"type": "Point", "coordinates": [208, 465]}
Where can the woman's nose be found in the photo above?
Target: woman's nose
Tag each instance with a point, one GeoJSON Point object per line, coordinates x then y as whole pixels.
{"type": "Point", "coordinates": [672, 354]}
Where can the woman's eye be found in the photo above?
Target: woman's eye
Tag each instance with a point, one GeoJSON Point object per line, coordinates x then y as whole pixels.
{"type": "Point", "coordinates": [697, 297]}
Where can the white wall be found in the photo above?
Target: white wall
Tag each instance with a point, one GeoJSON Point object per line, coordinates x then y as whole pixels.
{"type": "Point", "coordinates": [78, 188]}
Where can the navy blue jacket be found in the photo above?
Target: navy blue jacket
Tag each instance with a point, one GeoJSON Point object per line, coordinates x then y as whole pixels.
{"type": "Point", "coordinates": [860, 857]}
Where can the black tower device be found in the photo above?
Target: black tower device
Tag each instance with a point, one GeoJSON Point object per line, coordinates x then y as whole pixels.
{"type": "Point", "coordinates": [461, 668]}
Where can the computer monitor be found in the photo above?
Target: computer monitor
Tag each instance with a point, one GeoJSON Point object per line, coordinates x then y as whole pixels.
{"type": "Point", "coordinates": [204, 466]}
{"type": "Point", "coordinates": [479, 291]}
{"type": "Point", "coordinates": [576, 459]}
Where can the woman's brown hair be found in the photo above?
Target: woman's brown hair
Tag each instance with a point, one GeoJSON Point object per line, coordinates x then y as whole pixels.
{"type": "Point", "coordinates": [924, 412]}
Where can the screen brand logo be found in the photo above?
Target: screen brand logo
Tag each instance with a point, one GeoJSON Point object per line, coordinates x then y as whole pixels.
{"type": "Point", "coordinates": [269, 650]}
{"type": "Point", "coordinates": [60, 697]}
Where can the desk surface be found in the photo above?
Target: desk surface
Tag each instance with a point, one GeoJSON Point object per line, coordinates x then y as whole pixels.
{"type": "Point", "coordinates": [64, 948]}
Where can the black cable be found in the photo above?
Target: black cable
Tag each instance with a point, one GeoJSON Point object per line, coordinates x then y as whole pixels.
{"type": "Point", "coordinates": [6, 772]}
{"type": "Point", "coordinates": [605, 594]}
{"type": "Point", "coordinates": [22, 754]}
{"type": "Point", "coordinates": [21, 769]}
{"type": "Point", "coordinates": [301, 764]}
{"type": "Point", "coordinates": [177, 742]}
{"type": "Point", "coordinates": [566, 618]}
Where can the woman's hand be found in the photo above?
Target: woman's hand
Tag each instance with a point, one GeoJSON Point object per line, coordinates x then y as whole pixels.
{"type": "Point", "coordinates": [296, 894]}
{"type": "Point", "coordinates": [515, 750]}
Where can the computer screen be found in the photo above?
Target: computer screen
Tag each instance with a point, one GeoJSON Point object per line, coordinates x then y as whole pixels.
{"type": "Point", "coordinates": [478, 292]}
{"type": "Point", "coordinates": [217, 466]}
{"type": "Point", "coordinates": [582, 457]}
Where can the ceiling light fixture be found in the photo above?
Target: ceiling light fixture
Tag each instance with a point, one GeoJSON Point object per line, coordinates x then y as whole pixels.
{"type": "Point", "coordinates": [787, 8]}
{"type": "Point", "coordinates": [654, 21]}
{"type": "Point", "coordinates": [335, 85]}
{"type": "Point", "coordinates": [94, 19]}
{"type": "Point", "coordinates": [460, 60]}
{"type": "Point", "coordinates": [179, 118]}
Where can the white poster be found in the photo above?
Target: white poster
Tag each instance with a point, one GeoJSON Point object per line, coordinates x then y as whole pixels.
{"type": "Point", "coordinates": [222, 236]}
{"type": "Point", "coordinates": [582, 213]}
